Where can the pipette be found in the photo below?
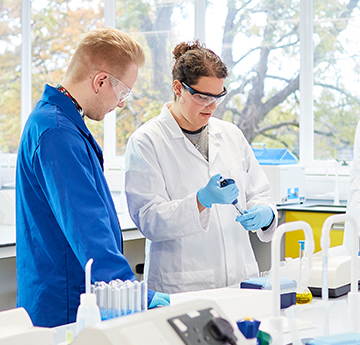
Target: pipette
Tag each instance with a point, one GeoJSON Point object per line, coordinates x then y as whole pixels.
{"type": "Point", "coordinates": [224, 182]}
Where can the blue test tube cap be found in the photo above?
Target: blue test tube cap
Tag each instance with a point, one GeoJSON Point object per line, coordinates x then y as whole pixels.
{"type": "Point", "coordinates": [249, 328]}
{"type": "Point", "coordinates": [302, 244]}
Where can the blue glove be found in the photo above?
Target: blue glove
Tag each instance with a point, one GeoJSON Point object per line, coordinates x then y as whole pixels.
{"type": "Point", "coordinates": [213, 194]}
{"type": "Point", "coordinates": [159, 299]}
{"type": "Point", "coordinates": [256, 218]}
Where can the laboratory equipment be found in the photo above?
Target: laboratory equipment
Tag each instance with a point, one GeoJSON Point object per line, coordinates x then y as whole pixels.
{"type": "Point", "coordinates": [353, 295]}
{"type": "Point", "coordinates": [303, 294]}
{"type": "Point", "coordinates": [236, 303]}
{"type": "Point", "coordinates": [339, 276]}
{"type": "Point", "coordinates": [287, 288]}
{"type": "Point", "coordinates": [339, 266]}
{"type": "Point", "coordinates": [338, 316]}
{"type": "Point", "coordinates": [16, 328]}
{"type": "Point", "coordinates": [225, 182]}
{"type": "Point", "coordinates": [276, 321]}
{"type": "Point", "coordinates": [286, 177]}
{"type": "Point", "coordinates": [118, 298]}
{"type": "Point", "coordinates": [195, 321]}
{"type": "Point", "coordinates": [88, 312]}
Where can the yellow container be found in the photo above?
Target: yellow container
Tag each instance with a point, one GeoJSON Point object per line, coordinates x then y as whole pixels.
{"type": "Point", "coordinates": [316, 221]}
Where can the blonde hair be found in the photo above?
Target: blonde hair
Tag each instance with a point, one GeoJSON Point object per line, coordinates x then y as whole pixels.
{"type": "Point", "coordinates": [106, 49]}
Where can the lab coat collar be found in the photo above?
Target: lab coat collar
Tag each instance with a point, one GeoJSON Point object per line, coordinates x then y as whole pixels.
{"type": "Point", "coordinates": [214, 132]}
{"type": "Point", "coordinates": [171, 123]}
{"type": "Point", "coordinates": [69, 110]}
{"type": "Point", "coordinates": [54, 96]}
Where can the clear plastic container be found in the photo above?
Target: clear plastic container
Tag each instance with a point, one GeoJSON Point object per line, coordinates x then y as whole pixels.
{"type": "Point", "coordinates": [88, 313]}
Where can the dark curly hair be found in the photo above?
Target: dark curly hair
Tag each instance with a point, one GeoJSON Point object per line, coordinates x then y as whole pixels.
{"type": "Point", "coordinates": [193, 60]}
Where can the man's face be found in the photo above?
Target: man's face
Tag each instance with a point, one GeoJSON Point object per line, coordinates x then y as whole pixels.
{"type": "Point", "coordinates": [110, 87]}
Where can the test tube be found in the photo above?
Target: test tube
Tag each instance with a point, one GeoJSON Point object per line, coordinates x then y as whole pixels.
{"type": "Point", "coordinates": [137, 296]}
{"type": "Point", "coordinates": [100, 291]}
{"type": "Point", "coordinates": [124, 299]}
{"type": "Point", "coordinates": [115, 299]}
{"type": "Point", "coordinates": [144, 295]}
{"type": "Point", "coordinates": [130, 302]}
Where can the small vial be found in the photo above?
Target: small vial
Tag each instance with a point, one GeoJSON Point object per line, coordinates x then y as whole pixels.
{"type": "Point", "coordinates": [100, 292]}
{"type": "Point", "coordinates": [144, 295]}
{"type": "Point", "coordinates": [69, 335]}
{"type": "Point", "coordinates": [137, 296]}
{"type": "Point", "coordinates": [124, 299]}
{"type": "Point", "coordinates": [115, 299]}
{"type": "Point", "coordinates": [130, 297]}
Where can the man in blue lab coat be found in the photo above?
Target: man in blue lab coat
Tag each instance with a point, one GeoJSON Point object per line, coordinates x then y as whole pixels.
{"type": "Point", "coordinates": [64, 210]}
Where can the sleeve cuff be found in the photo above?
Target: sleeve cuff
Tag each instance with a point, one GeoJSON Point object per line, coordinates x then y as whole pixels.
{"type": "Point", "coordinates": [268, 226]}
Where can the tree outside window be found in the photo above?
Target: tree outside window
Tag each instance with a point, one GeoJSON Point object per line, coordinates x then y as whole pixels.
{"type": "Point", "coordinates": [258, 40]}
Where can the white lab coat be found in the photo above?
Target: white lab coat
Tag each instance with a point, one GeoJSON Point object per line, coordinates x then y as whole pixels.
{"type": "Point", "coordinates": [353, 205]}
{"type": "Point", "coordinates": [188, 250]}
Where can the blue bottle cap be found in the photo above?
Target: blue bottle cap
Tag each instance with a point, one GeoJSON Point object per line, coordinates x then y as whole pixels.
{"type": "Point", "coordinates": [249, 328]}
{"type": "Point", "coordinates": [302, 244]}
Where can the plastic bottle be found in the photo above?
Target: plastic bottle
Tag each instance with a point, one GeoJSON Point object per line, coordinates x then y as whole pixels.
{"type": "Point", "coordinates": [88, 313]}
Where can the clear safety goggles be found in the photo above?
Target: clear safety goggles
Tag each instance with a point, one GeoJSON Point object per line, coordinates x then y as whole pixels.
{"type": "Point", "coordinates": [205, 99]}
{"type": "Point", "coordinates": [122, 92]}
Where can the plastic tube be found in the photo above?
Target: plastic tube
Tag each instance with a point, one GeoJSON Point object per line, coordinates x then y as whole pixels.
{"type": "Point", "coordinates": [124, 299]}
{"type": "Point", "coordinates": [144, 295]}
{"type": "Point", "coordinates": [102, 298]}
{"type": "Point", "coordinates": [115, 299]}
{"type": "Point", "coordinates": [88, 276]}
{"type": "Point", "coordinates": [137, 296]}
{"type": "Point", "coordinates": [130, 296]}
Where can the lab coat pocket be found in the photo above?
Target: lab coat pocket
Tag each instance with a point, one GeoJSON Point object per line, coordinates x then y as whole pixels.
{"type": "Point", "coordinates": [188, 281]}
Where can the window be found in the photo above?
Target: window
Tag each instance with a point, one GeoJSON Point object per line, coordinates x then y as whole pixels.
{"type": "Point", "coordinates": [258, 40]}
{"type": "Point", "coordinates": [336, 78]}
{"type": "Point", "coordinates": [10, 75]}
{"type": "Point", "coordinates": [158, 26]}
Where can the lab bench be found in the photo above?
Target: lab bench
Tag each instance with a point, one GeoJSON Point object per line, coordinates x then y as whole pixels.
{"type": "Point", "coordinates": [312, 211]}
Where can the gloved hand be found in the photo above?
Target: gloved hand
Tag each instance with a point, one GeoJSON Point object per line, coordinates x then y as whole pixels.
{"type": "Point", "coordinates": [256, 218]}
{"type": "Point", "coordinates": [213, 194]}
{"type": "Point", "coordinates": [159, 299]}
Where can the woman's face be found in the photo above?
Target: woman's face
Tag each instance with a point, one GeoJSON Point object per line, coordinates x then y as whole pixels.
{"type": "Point", "coordinates": [187, 112]}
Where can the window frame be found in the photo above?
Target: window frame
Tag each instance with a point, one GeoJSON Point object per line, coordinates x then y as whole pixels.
{"type": "Point", "coordinates": [112, 161]}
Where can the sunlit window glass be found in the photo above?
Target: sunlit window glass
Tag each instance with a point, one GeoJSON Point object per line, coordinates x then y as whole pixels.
{"type": "Point", "coordinates": [336, 78]}
{"type": "Point", "coordinates": [158, 26]}
{"type": "Point", "coordinates": [10, 69]}
{"type": "Point", "coordinates": [259, 42]}
{"type": "Point", "coordinates": [57, 27]}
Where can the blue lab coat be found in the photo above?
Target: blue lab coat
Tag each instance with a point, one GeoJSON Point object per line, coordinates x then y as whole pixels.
{"type": "Point", "coordinates": [65, 214]}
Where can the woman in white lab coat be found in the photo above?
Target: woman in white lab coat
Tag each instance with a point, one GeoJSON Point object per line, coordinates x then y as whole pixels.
{"type": "Point", "coordinates": [195, 239]}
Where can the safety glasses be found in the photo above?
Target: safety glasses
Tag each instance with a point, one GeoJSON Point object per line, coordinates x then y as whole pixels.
{"type": "Point", "coordinates": [121, 90]}
{"type": "Point", "coordinates": [205, 99]}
